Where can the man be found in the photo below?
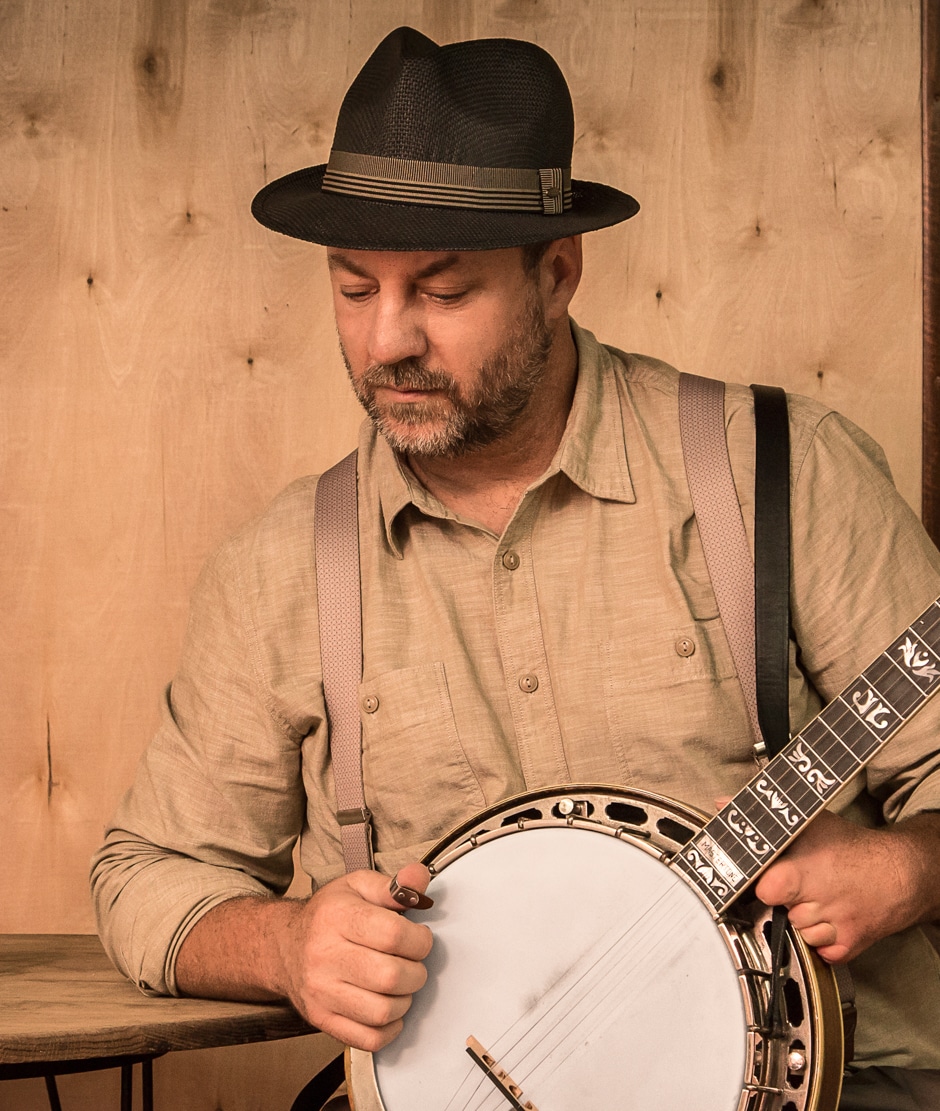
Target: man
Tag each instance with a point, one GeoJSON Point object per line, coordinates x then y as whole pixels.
{"type": "Point", "coordinates": [536, 608]}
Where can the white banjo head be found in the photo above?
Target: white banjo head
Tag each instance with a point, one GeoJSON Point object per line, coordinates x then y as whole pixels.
{"type": "Point", "coordinates": [586, 972]}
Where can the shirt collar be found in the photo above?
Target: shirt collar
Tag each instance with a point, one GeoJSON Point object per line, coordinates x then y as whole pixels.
{"type": "Point", "coordinates": [592, 452]}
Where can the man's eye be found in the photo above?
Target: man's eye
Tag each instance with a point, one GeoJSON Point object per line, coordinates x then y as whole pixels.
{"type": "Point", "coordinates": [355, 294]}
{"type": "Point", "coordinates": [445, 298]}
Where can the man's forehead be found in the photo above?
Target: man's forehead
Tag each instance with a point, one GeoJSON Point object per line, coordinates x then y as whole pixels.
{"type": "Point", "coordinates": [416, 264]}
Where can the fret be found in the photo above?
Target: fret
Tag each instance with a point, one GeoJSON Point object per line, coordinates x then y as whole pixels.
{"type": "Point", "coordinates": [846, 723]}
{"type": "Point", "coordinates": [772, 788]}
{"type": "Point", "coordinates": [919, 660]}
{"type": "Point", "coordinates": [802, 776]}
{"type": "Point", "coordinates": [927, 628]}
{"type": "Point", "coordinates": [740, 842]}
{"type": "Point", "coordinates": [711, 884]}
{"type": "Point", "coordinates": [894, 684]}
{"type": "Point", "coordinates": [877, 718]}
{"type": "Point", "coordinates": [821, 758]}
{"type": "Point", "coordinates": [831, 749]}
{"type": "Point", "coordinates": [761, 817]}
{"type": "Point", "coordinates": [754, 845]}
{"type": "Point", "coordinates": [735, 846]}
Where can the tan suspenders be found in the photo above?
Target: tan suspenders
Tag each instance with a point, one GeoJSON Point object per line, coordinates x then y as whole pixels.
{"type": "Point", "coordinates": [730, 566]}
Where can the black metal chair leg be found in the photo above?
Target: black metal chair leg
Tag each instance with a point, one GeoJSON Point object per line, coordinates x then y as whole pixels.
{"type": "Point", "coordinates": [52, 1092]}
{"type": "Point", "coordinates": [127, 1087]}
{"type": "Point", "coordinates": [146, 1081]}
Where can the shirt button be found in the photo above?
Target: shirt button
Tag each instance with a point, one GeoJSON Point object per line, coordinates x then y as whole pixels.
{"type": "Point", "coordinates": [685, 646]}
{"type": "Point", "coordinates": [370, 704]}
{"type": "Point", "coordinates": [511, 560]}
{"type": "Point", "coordinates": [529, 683]}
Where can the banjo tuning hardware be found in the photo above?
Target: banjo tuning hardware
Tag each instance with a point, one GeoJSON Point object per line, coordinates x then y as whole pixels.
{"type": "Point", "coordinates": [503, 1081]}
{"type": "Point", "coordinates": [796, 1061]}
{"type": "Point", "coordinates": [569, 809]}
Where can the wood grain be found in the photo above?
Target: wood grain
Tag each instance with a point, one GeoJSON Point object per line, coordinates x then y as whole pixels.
{"type": "Point", "coordinates": [64, 1001]}
{"type": "Point", "coordinates": [166, 365]}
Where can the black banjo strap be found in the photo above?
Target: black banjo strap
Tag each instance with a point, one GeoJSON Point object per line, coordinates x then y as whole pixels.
{"type": "Point", "coordinates": [772, 564]}
{"type": "Point", "coordinates": [772, 631]}
{"type": "Point", "coordinates": [772, 617]}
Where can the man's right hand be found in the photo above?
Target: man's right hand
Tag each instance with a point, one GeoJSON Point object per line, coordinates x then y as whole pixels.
{"type": "Point", "coordinates": [346, 958]}
{"type": "Point", "coordinates": [353, 961]}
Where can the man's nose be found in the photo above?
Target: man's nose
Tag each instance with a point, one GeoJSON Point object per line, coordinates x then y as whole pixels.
{"type": "Point", "coordinates": [396, 334]}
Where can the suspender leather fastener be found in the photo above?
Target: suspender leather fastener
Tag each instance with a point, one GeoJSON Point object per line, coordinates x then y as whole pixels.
{"type": "Point", "coordinates": [362, 815]}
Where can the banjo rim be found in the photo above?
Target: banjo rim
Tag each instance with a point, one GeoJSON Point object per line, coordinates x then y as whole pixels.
{"type": "Point", "coordinates": [821, 1085]}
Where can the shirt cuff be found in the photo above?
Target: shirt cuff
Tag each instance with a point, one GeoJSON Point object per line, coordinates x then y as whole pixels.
{"type": "Point", "coordinates": [153, 911]}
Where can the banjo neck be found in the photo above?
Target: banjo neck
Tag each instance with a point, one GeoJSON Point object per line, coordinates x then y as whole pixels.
{"type": "Point", "coordinates": [763, 818]}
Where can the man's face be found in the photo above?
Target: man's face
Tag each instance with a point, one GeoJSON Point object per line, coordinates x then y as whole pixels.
{"type": "Point", "coordinates": [443, 349]}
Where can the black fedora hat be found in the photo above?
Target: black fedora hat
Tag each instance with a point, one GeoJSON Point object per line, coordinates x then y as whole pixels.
{"type": "Point", "coordinates": [458, 147]}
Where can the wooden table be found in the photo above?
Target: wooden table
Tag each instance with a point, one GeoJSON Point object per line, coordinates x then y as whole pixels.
{"type": "Point", "coordinates": [64, 1008]}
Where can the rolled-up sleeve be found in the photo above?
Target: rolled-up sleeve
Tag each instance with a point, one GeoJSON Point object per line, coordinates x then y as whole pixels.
{"type": "Point", "coordinates": [217, 802]}
{"type": "Point", "coordinates": [863, 570]}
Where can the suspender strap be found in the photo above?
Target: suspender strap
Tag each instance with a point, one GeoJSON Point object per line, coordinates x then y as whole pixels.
{"type": "Point", "coordinates": [720, 524]}
{"type": "Point", "coordinates": [772, 564]}
{"type": "Point", "coordinates": [336, 519]}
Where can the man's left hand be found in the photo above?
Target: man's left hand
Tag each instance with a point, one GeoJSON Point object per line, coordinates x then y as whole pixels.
{"type": "Point", "coordinates": [847, 886]}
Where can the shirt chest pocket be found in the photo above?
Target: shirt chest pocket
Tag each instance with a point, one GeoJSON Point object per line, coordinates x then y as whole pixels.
{"type": "Point", "coordinates": [418, 780]}
{"type": "Point", "coordinates": [676, 712]}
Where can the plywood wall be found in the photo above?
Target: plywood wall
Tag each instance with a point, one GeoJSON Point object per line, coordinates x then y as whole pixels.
{"type": "Point", "coordinates": [166, 365]}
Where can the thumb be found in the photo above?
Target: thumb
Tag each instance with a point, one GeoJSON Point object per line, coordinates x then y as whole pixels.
{"type": "Point", "coordinates": [404, 891]}
{"type": "Point", "coordinates": [409, 885]}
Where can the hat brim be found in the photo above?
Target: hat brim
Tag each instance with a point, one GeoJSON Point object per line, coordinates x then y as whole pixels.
{"type": "Point", "coordinates": [296, 205]}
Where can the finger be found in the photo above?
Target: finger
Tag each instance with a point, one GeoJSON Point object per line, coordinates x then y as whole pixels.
{"type": "Point", "coordinates": [804, 915]}
{"type": "Point", "coordinates": [369, 1008]}
{"type": "Point", "coordinates": [358, 1016]}
{"type": "Point", "coordinates": [384, 930]}
{"type": "Point", "coordinates": [780, 885]}
{"type": "Point", "coordinates": [820, 936]}
{"type": "Point", "coordinates": [383, 974]}
{"type": "Point", "coordinates": [835, 954]}
{"type": "Point", "coordinates": [357, 1034]}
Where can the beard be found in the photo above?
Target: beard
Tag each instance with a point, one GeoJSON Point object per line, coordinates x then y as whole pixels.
{"type": "Point", "coordinates": [452, 422]}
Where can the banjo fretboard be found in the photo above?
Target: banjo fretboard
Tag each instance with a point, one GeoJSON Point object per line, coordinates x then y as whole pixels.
{"type": "Point", "coordinates": [756, 826]}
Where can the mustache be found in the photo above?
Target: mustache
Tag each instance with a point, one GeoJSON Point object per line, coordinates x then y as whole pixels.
{"type": "Point", "coordinates": [407, 374]}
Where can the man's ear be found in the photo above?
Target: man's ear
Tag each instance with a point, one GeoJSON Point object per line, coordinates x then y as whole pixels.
{"type": "Point", "coordinates": [560, 275]}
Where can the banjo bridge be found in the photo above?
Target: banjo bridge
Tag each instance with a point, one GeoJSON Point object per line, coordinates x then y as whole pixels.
{"type": "Point", "coordinates": [503, 1081]}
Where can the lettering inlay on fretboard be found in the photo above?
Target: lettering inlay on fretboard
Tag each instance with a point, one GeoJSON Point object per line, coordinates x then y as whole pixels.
{"type": "Point", "coordinates": [763, 818]}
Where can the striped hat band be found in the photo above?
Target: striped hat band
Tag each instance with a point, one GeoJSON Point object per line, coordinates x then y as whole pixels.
{"type": "Point", "coordinates": [407, 181]}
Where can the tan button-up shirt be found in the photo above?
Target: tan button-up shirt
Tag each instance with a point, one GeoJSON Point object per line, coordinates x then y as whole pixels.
{"type": "Point", "coordinates": [582, 645]}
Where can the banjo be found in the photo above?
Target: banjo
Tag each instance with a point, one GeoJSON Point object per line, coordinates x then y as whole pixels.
{"type": "Point", "coordinates": [598, 947]}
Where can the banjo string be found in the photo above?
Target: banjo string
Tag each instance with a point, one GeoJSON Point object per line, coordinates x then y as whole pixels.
{"type": "Point", "coordinates": [601, 966]}
{"type": "Point", "coordinates": [606, 1003]}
